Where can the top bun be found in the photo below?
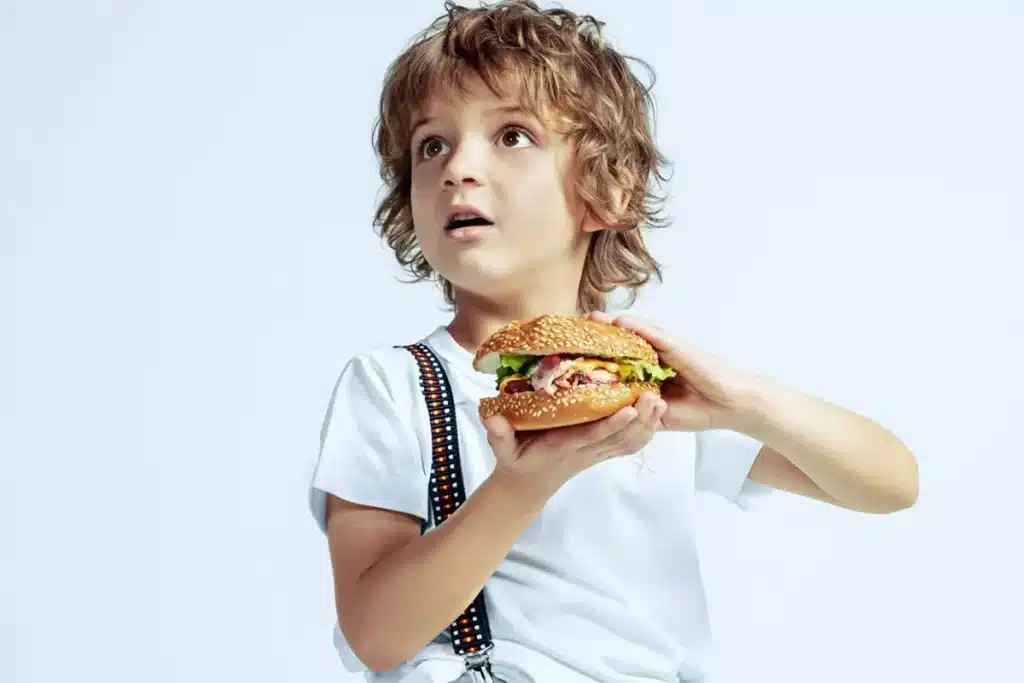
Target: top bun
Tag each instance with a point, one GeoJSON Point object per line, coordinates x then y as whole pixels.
{"type": "Point", "coordinates": [562, 334]}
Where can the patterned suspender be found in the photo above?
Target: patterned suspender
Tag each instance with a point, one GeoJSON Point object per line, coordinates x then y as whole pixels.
{"type": "Point", "coordinates": [470, 632]}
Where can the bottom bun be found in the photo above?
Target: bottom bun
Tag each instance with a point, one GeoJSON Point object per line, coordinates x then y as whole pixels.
{"type": "Point", "coordinates": [529, 410]}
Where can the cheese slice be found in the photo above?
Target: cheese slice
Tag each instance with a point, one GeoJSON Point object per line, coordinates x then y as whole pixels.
{"type": "Point", "coordinates": [588, 364]}
{"type": "Point", "coordinates": [506, 380]}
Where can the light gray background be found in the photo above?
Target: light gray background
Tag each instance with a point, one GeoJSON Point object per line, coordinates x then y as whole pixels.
{"type": "Point", "coordinates": [185, 200]}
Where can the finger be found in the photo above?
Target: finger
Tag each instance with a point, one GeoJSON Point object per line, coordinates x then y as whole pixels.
{"type": "Point", "coordinates": [630, 441]}
{"type": "Point", "coordinates": [584, 435]}
{"type": "Point", "coordinates": [635, 434]}
{"type": "Point", "coordinates": [680, 354]}
{"type": "Point", "coordinates": [645, 406]}
{"type": "Point", "coordinates": [648, 331]}
{"type": "Point", "coordinates": [501, 437]}
{"type": "Point", "coordinates": [658, 408]}
{"type": "Point", "coordinates": [601, 316]}
{"type": "Point", "coordinates": [648, 415]}
{"type": "Point", "coordinates": [659, 413]}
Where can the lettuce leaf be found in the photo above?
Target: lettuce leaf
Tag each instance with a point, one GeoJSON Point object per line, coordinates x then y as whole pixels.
{"type": "Point", "coordinates": [515, 365]}
{"type": "Point", "coordinates": [642, 371]}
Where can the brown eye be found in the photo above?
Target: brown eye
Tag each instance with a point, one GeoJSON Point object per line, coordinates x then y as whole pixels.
{"type": "Point", "coordinates": [431, 147]}
{"type": "Point", "coordinates": [515, 137]}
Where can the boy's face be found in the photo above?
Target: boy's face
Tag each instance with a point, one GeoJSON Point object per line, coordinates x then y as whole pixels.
{"type": "Point", "coordinates": [474, 152]}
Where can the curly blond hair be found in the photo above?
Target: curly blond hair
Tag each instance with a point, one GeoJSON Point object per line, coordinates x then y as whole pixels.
{"type": "Point", "coordinates": [562, 63]}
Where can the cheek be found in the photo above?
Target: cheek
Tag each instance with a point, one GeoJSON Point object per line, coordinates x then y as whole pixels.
{"type": "Point", "coordinates": [542, 204]}
{"type": "Point", "coordinates": [421, 200]}
{"type": "Point", "coordinates": [421, 210]}
{"type": "Point", "coordinates": [417, 193]}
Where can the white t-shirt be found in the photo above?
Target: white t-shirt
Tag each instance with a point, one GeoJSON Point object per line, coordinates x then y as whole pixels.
{"type": "Point", "coordinates": [604, 586]}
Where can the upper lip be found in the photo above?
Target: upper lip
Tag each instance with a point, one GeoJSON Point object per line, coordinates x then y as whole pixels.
{"type": "Point", "coordinates": [464, 209]}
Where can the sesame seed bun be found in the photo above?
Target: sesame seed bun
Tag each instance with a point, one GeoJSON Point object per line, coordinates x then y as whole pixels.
{"type": "Point", "coordinates": [539, 410]}
{"type": "Point", "coordinates": [557, 334]}
{"type": "Point", "coordinates": [562, 334]}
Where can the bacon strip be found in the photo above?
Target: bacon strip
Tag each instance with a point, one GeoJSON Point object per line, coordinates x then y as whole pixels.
{"type": "Point", "coordinates": [558, 373]}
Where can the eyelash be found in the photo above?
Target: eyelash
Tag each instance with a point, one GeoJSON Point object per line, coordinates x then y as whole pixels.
{"type": "Point", "coordinates": [501, 133]}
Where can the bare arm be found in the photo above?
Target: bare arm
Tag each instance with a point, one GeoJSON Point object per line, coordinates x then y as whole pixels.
{"type": "Point", "coordinates": [823, 451]}
{"type": "Point", "coordinates": [810, 447]}
{"type": "Point", "coordinates": [396, 590]}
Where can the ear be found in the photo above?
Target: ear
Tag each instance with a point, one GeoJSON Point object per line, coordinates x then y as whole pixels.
{"type": "Point", "coordinates": [619, 200]}
{"type": "Point", "coordinates": [591, 224]}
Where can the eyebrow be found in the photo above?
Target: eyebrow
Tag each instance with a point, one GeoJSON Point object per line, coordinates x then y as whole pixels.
{"type": "Point", "coordinates": [508, 109]}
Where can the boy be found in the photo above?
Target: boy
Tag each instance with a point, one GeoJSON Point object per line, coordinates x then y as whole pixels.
{"type": "Point", "coordinates": [518, 156]}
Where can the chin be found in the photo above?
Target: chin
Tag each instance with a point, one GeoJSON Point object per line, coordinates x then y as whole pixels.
{"type": "Point", "coordinates": [483, 275]}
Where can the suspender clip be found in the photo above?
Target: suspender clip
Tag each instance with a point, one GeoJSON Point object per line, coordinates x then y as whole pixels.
{"type": "Point", "coordinates": [479, 659]}
{"type": "Point", "coordinates": [478, 664]}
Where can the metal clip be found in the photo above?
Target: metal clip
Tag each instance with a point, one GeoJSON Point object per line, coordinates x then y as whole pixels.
{"type": "Point", "coordinates": [480, 676]}
{"type": "Point", "coordinates": [478, 665]}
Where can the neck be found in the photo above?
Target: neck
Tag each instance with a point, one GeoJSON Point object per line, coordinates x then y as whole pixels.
{"type": "Point", "coordinates": [478, 317]}
{"type": "Point", "coordinates": [543, 290]}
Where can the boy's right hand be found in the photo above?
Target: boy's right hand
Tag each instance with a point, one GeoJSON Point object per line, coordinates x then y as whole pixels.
{"type": "Point", "coordinates": [539, 463]}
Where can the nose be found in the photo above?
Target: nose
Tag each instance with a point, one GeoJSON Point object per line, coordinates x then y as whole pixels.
{"type": "Point", "coordinates": [466, 164]}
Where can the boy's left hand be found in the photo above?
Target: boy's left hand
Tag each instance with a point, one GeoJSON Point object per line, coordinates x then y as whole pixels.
{"type": "Point", "coordinates": [707, 391]}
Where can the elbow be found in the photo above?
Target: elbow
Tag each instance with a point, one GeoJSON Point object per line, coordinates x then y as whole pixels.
{"type": "Point", "coordinates": [378, 661]}
{"type": "Point", "coordinates": [909, 486]}
{"type": "Point", "coordinates": [376, 640]}
{"type": "Point", "coordinates": [906, 498]}
{"type": "Point", "coordinates": [885, 503]}
{"type": "Point", "coordinates": [376, 651]}
{"type": "Point", "coordinates": [902, 489]}
{"type": "Point", "coordinates": [897, 500]}
{"type": "Point", "coordinates": [909, 493]}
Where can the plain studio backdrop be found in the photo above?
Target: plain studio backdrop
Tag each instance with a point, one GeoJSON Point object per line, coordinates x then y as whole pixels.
{"type": "Point", "coordinates": [186, 192]}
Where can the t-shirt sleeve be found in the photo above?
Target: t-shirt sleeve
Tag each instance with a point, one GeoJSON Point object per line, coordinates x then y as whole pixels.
{"type": "Point", "coordinates": [369, 451]}
{"type": "Point", "coordinates": [724, 459]}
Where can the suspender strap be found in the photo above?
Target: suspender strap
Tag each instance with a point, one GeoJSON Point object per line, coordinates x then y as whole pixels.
{"type": "Point", "coordinates": [470, 632]}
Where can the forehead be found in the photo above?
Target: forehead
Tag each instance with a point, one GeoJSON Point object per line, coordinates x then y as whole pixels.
{"type": "Point", "coordinates": [472, 94]}
{"type": "Point", "coordinates": [468, 94]}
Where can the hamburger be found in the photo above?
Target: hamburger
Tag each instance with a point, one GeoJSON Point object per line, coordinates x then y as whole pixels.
{"type": "Point", "coordinates": [557, 371]}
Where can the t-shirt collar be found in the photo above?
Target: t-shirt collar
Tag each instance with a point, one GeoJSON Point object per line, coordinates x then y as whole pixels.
{"type": "Point", "coordinates": [459, 361]}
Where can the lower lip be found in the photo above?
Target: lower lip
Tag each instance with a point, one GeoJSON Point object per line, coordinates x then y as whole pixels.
{"type": "Point", "coordinates": [470, 232]}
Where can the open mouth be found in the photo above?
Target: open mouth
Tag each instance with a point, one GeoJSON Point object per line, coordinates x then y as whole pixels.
{"type": "Point", "coordinates": [466, 220]}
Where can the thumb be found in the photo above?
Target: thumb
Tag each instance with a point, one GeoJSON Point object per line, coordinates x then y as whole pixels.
{"type": "Point", "coordinates": [501, 437]}
{"type": "Point", "coordinates": [601, 316]}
